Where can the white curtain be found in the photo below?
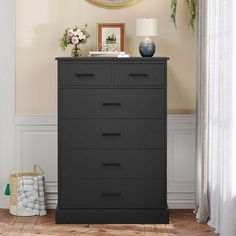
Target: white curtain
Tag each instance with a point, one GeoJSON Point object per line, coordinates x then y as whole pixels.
{"type": "Point", "coordinates": [202, 115]}
{"type": "Point", "coordinates": [217, 103]}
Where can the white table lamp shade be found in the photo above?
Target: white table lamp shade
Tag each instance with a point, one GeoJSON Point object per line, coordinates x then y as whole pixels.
{"type": "Point", "coordinates": [146, 27]}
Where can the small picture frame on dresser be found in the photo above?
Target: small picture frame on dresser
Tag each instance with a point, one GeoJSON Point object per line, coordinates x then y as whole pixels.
{"type": "Point", "coordinates": [111, 36]}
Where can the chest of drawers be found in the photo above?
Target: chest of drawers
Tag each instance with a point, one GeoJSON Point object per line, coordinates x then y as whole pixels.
{"type": "Point", "coordinates": [112, 140]}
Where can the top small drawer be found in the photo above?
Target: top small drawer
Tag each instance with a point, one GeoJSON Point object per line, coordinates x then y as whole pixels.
{"type": "Point", "coordinates": [81, 74]}
{"type": "Point", "coordinates": [139, 74]}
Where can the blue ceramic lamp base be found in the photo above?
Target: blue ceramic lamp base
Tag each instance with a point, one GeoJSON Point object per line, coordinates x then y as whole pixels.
{"type": "Point", "coordinates": [147, 48]}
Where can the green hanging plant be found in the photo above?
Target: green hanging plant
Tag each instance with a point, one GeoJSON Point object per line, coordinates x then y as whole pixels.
{"type": "Point", "coordinates": [173, 9]}
{"type": "Point", "coordinates": [192, 6]}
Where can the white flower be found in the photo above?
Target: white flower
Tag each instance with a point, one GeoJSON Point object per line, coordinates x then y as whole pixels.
{"type": "Point", "coordinates": [70, 32]}
{"type": "Point", "coordinates": [75, 33]}
{"type": "Point", "coordinates": [84, 36]}
{"type": "Point", "coordinates": [81, 36]}
{"type": "Point", "coordinates": [80, 33]}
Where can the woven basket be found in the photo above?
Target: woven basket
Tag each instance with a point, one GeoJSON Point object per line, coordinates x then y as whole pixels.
{"type": "Point", "coordinates": [13, 180]}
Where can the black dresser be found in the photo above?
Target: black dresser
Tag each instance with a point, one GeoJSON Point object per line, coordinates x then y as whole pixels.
{"type": "Point", "coordinates": [112, 140]}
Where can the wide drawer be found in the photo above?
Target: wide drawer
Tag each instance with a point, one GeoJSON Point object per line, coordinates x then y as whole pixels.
{"type": "Point", "coordinates": [112, 194]}
{"type": "Point", "coordinates": [72, 74]}
{"type": "Point", "coordinates": [138, 164]}
{"type": "Point", "coordinates": [139, 74]}
{"type": "Point", "coordinates": [112, 133]}
{"type": "Point", "coordinates": [77, 103]}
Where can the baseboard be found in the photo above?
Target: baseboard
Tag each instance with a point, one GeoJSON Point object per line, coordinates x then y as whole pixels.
{"type": "Point", "coordinates": [181, 200]}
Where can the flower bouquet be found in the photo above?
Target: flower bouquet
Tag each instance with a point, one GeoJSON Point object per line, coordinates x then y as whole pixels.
{"type": "Point", "coordinates": [74, 36]}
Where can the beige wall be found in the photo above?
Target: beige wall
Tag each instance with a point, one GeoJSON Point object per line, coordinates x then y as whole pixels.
{"type": "Point", "coordinates": [40, 24]}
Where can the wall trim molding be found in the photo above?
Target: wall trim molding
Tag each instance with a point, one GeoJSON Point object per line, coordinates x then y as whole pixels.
{"type": "Point", "coordinates": [181, 193]}
{"type": "Point", "coordinates": [181, 119]}
{"type": "Point", "coordinates": [51, 119]}
{"type": "Point", "coordinates": [36, 119]}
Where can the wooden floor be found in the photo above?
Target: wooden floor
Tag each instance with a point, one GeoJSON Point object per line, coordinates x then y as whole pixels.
{"type": "Point", "coordinates": [181, 223]}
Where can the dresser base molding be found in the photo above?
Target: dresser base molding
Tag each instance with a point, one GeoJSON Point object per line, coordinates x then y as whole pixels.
{"type": "Point", "coordinates": [112, 216]}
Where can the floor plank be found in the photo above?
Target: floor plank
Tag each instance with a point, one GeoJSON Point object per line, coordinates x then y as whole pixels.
{"type": "Point", "coordinates": [23, 226]}
{"type": "Point", "coordinates": [155, 230]}
{"type": "Point", "coordinates": [119, 230]}
{"type": "Point", "coordinates": [6, 222]}
{"type": "Point", "coordinates": [182, 223]}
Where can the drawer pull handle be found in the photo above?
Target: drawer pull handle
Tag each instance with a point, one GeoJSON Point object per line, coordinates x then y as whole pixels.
{"type": "Point", "coordinates": [111, 194]}
{"type": "Point", "coordinates": [138, 75]}
{"type": "Point", "coordinates": [85, 75]}
{"type": "Point", "coordinates": [111, 164]}
{"type": "Point", "coordinates": [111, 134]}
{"type": "Point", "coordinates": [111, 104]}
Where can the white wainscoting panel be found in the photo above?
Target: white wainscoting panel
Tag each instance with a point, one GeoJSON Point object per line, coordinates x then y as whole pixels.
{"type": "Point", "coordinates": [181, 162]}
{"type": "Point", "coordinates": [36, 143]}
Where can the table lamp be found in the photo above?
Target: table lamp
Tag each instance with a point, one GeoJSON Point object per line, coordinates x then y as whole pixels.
{"type": "Point", "coordinates": [146, 27]}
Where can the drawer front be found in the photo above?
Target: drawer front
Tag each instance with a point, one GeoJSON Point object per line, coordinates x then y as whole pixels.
{"type": "Point", "coordinates": [112, 133]}
{"type": "Point", "coordinates": [112, 194]}
{"type": "Point", "coordinates": [73, 74]}
{"type": "Point", "coordinates": [79, 103]}
{"type": "Point", "coordinates": [139, 74]}
{"type": "Point", "coordinates": [112, 163]}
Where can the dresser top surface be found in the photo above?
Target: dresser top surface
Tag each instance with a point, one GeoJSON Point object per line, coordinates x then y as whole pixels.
{"type": "Point", "coordinates": [112, 59]}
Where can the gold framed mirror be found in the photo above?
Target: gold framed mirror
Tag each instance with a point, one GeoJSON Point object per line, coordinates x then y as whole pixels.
{"type": "Point", "coordinates": [113, 4]}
